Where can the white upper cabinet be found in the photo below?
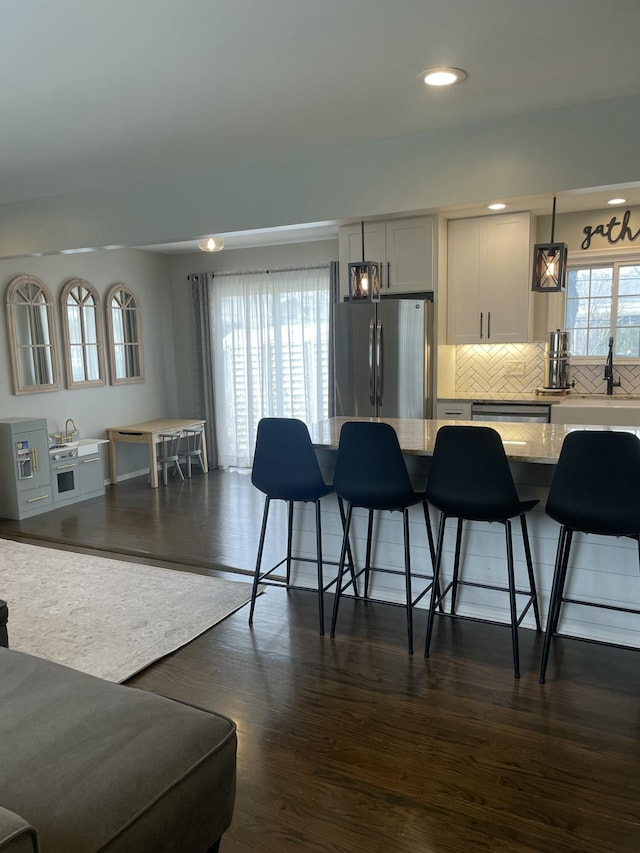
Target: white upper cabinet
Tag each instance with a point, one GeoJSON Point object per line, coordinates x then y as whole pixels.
{"type": "Point", "coordinates": [488, 280]}
{"type": "Point", "coordinates": [409, 245]}
{"type": "Point", "coordinates": [403, 246]}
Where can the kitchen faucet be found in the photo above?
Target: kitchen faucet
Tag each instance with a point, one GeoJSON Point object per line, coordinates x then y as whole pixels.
{"type": "Point", "coordinates": [69, 436]}
{"type": "Point", "coordinates": [608, 371]}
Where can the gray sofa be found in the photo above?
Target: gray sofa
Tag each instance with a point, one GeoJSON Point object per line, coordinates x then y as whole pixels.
{"type": "Point", "coordinates": [90, 766]}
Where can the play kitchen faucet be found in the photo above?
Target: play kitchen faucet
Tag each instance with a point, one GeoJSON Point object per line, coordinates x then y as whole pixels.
{"type": "Point", "coordinates": [70, 435]}
{"type": "Point", "coordinates": [59, 439]}
{"type": "Point", "coordinates": [608, 371]}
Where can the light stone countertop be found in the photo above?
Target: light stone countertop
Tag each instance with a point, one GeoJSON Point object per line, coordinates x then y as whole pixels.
{"type": "Point", "coordinates": [500, 397]}
{"type": "Point", "coordinates": [523, 442]}
{"type": "Point", "coordinates": [531, 397]}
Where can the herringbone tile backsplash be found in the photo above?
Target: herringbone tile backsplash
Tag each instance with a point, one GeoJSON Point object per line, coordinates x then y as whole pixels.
{"type": "Point", "coordinates": [488, 369]}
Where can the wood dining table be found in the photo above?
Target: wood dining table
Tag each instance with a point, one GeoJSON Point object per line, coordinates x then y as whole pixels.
{"type": "Point", "coordinates": [149, 433]}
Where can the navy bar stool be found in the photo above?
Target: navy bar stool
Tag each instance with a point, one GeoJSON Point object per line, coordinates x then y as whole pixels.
{"type": "Point", "coordinates": [286, 468]}
{"type": "Point", "coordinates": [594, 490]}
{"type": "Point", "coordinates": [371, 473]}
{"type": "Point", "coordinates": [470, 480]}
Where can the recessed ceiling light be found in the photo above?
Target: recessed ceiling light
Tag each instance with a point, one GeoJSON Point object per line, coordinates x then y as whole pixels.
{"type": "Point", "coordinates": [497, 205]}
{"type": "Point", "coordinates": [443, 76]}
{"type": "Point", "coordinates": [211, 244]}
{"type": "Point", "coordinates": [616, 201]}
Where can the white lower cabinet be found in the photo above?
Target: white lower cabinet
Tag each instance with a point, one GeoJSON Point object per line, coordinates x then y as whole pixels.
{"type": "Point", "coordinates": [453, 410]}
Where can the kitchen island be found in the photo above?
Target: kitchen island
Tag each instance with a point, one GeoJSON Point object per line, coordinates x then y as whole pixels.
{"type": "Point", "coordinates": [602, 569]}
{"type": "Point", "coordinates": [523, 442]}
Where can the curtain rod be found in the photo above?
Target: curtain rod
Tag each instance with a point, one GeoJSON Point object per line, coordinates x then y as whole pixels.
{"type": "Point", "coordinates": [266, 272]}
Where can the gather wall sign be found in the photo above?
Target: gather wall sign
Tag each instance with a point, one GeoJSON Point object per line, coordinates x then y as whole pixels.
{"type": "Point", "coordinates": [614, 231]}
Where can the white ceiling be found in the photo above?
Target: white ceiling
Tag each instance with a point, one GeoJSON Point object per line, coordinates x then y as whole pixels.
{"type": "Point", "coordinates": [111, 92]}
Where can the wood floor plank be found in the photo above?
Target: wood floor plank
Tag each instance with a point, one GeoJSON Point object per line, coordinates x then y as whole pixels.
{"type": "Point", "coordinates": [351, 745]}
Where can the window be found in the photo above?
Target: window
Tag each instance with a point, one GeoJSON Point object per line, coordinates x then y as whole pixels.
{"type": "Point", "coordinates": [603, 301]}
{"type": "Point", "coordinates": [271, 350]}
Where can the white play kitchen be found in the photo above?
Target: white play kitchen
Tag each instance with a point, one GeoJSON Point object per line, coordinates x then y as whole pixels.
{"type": "Point", "coordinates": [39, 472]}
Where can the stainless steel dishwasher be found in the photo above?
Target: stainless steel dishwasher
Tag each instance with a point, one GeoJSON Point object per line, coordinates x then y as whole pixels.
{"type": "Point", "coordinates": [517, 412]}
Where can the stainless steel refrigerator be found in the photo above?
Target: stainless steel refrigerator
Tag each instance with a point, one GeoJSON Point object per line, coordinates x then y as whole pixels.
{"type": "Point", "coordinates": [382, 358]}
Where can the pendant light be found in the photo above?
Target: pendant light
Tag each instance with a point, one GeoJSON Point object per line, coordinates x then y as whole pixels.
{"type": "Point", "coordinates": [550, 263]}
{"type": "Point", "coordinates": [364, 278]}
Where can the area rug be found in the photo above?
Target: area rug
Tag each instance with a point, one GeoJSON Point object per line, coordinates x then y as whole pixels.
{"type": "Point", "coordinates": [103, 616]}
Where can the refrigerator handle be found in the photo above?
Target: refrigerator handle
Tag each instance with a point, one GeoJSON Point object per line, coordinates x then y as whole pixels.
{"type": "Point", "coordinates": [379, 363]}
{"type": "Point", "coordinates": [372, 397]}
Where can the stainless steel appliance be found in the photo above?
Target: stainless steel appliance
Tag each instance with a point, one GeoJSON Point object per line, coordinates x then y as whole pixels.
{"type": "Point", "coordinates": [515, 412]}
{"type": "Point", "coordinates": [382, 358]}
{"type": "Point", "coordinates": [557, 366]}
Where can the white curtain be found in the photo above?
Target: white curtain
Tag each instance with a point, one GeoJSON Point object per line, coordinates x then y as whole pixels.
{"type": "Point", "coordinates": [270, 340]}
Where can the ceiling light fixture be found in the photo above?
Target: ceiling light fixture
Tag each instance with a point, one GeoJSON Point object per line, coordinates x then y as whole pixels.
{"type": "Point", "coordinates": [550, 262]}
{"type": "Point", "coordinates": [211, 244]}
{"type": "Point", "coordinates": [364, 277]}
{"type": "Point", "coordinates": [616, 201]}
{"type": "Point", "coordinates": [497, 205]}
{"type": "Point", "coordinates": [443, 76]}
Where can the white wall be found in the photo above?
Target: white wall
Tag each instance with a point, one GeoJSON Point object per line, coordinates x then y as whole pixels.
{"type": "Point", "coordinates": [94, 409]}
{"type": "Point", "coordinates": [571, 148]}
{"type": "Point", "coordinates": [570, 227]}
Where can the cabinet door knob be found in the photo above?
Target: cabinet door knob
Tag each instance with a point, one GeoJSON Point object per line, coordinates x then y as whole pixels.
{"type": "Point", "coordinates": [489, 325]}
{"type": "Point", "coordinates": [481, 317]}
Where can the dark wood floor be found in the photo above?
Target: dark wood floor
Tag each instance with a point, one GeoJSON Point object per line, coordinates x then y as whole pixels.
{"type": "Point", "coordinates": [350, 745]}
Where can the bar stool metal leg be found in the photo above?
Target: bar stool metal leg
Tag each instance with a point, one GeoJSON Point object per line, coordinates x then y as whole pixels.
{"type": "Point", "coordinates": [367, 560]}
{"type": "Point", "coordinates": [512, 599]}
{"type": "Point", "coordinates": [427, 521]}
{"type": "Point", "coordinates": [432, 547]}
{"type": "Point", "coordinates": [557, 591]}
{"type": "Point", "coordinates": [435, 587]}
{"type": "Point", "coordinates": [407, 578]}
{"type": "Point", "coordinates": [320, 573]}
{"type": "Point", "coordinates": [256, 577]}
{"type": "Point", "coordinates": [289, 538]}
{"type": "Point", "coordinates": [349, 554]}
{"type": "Point", "coordinates": [532, 580]}
{"type": "Point", "coordinates": [456, 566]}
{"type": "Point", "coordinates": [343, 555]}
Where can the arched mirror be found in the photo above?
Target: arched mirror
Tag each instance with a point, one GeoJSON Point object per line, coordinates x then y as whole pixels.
{"type": "Point", "coordinates": [124, 328]}
{"type": "Point", "coordinates": [82, 334]}
{"type": "Point", "coordinates": [32, 336]}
